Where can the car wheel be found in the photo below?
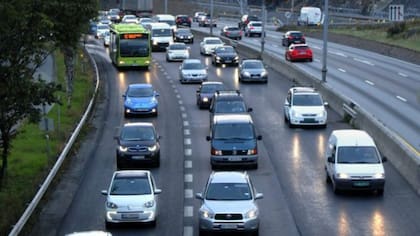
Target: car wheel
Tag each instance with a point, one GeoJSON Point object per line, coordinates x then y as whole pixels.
{"type": "Point", "coordinates": [157, 161]}
{"type": "Point", "coordinates": [202, 233]}
{"type": "Point", "coordinates": [192, 41]}
{"type": "Point", "coordinates": [255, 166]}
{"type": "Point", "coordinates": [380, 192]}
{"type": "Point", "coordinates": [108, 225]}
{"type": "Point", "coordinates": [327, 177]}
{"type": "Point", "coordinates": [256, 233]}
{"type": "Point", "coordinates": [335, 189]}
{"type": "Point", "coordinates": [290, 124]}
{"type": "Point", "coordinates": [119, 163]}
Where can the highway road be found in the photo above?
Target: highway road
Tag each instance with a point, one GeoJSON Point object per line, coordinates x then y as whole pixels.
{"type": "Point", "coordinates": [297, 200]}
{"type": "Point", "coordinates": [386, 87]}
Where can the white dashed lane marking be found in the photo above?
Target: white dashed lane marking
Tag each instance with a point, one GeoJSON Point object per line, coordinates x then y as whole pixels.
{"type": "Point", "coordinates": [369, 82]}
{"type": "Point", "coordinates": [364, 61]}
{"type": "Point", "coordinates": [187, 164]}
{"type": "Point", "coordinates": [342, 70]}
{"type": "Point", "coordinates": [187, 141]}
{"type": "Point", "coordinates": [187, 152]}
{"type": "Point", "coordinates": [188, 178]}
{"type": "Point", "coordinates": [188, 231]}
{"type": "Point", "coordinates": [188, 193]}
{"type": "Point", "coordinates": [402, 74]}
{"type": "Point", "coordinates": [188, 211]}
{"type": "Point", "coordinates": [401, 98]}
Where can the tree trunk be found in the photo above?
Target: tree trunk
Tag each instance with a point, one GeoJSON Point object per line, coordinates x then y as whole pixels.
{"type": "Point", "coordinates": [5, 150]}
{"type": "Point", "coordinates": [69, 63]}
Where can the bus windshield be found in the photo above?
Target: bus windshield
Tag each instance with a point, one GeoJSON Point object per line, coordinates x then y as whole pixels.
{"type": "Point", "coordinates": [162, 33]}
{"type": "Point", "coordinates": [134, 47]}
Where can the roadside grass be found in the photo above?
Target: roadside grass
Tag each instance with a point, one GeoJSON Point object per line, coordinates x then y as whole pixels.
{"type": "Point", "coordinates": [28, 161]}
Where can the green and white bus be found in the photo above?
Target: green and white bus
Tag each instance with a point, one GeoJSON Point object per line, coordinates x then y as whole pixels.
{"type": "Point", "coordinates": [130, 46]}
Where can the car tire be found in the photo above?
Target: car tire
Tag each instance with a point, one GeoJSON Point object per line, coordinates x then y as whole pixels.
{"type": "Point", "coordinates": [157, 162]}
{"type": "Point", "coordinates": [202, 232]}
{"type": "Point", "coordinates": [380, 191]}
{"type": "Point", "coordinates": [108, 225]}
{"type": "Point", "coordinates": [290, 124]}
{"type": "Point", "coordinates": [335, 189]}
{"type": "Point", "coordinates": [327, 177]}
{"type": "Point", "coordinates": [256, 233]}
{"type": "Point", "coordinates": [255, 166]}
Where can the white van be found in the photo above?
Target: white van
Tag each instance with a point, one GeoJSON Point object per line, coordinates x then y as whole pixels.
{"type": "Point", "coordinates": [161, 35]}
{"type": "Point", "coordinates": [166, 18]}
{"type": "Point", "coordinates": [310, 16]}
{"type": "Point", "coordinates": [353, 162]}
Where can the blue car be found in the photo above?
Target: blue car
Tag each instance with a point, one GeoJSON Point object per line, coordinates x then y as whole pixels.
{"type": "Point", "coordinates": [140, 99]}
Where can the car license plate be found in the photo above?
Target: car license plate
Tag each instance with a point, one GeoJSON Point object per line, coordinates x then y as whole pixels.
{"type": "Point", "coordinates": [129, 216]}
{"type": "Point", "coordinates": [228, 61]}
{"type": "Point", "coordinates": [361, 184]}
{"type": "Point", "coordinates": [137, 157]}
{"type": "Point", "coordinates": [228, 226]}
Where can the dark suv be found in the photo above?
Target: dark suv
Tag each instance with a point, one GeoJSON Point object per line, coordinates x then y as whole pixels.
{"type": "Point", "coordinates": [183, 20]}
{"type": "Point", "coordinates": [137, 143]}
{"type": "Point", "coordinates": [227, 102]}
{"type": "Point", "coordinates": [233, 141]}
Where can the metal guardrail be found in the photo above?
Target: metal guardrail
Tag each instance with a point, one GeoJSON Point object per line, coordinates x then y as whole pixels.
{"type": "Point", "coordinates": [38, 196]}
{"type": "Point", "coordinates": [349, 110]}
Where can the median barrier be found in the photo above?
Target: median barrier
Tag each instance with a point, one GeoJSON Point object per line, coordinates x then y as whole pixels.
{"type": "Point", "coordinates": [404, 159]}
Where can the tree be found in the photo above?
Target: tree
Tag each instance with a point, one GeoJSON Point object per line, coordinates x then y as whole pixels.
{"type": "Point", "coordinates": [71, 18]}
{"type": "Point", "coordinates": [23, 47]}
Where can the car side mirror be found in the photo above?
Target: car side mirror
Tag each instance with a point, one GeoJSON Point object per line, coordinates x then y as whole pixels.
{"type": "Point", "coordinates": [104, 192]}
{"type": "Point", "coordinates": [199, 196]}
{"type": "Point", "coordinates": [250, 109]}
{"type": "Point", "coordinates": [158, 137]}
{"type": "Point", "coordinates": [259, 196]}
{"type": "Point", "coordinates": [326, 104]}
{"type": "Point", "coordinates": [156, 94]}
{"type": "Point", "coordinates": [157, 191]}
{"type": "Point", "coordinates": [384, 159]}
{"type": "Point", "coordinates": [259, 137]}
{"type": "Point", "coordinates": [208, 138]}
{"type": "Point", "coordinates": [330, 159]}
{"type": "Point", "coordinates": [124, 96]}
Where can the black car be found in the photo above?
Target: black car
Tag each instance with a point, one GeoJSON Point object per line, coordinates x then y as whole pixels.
{"type": "Point", "coordinates": [206, 91]}
{"type": "Point", "coordinates": [225, 55]}
{"type": "Point", "coordinates": [183, 35]}
{"type": "Point", "coordinates": [227, 102]}
{"type": "Point", "coordinates": [293, 37]}
{"type": "Point", "coordinates": [137, 143]}
{"type": "Point", "coordinates": [183, 20]}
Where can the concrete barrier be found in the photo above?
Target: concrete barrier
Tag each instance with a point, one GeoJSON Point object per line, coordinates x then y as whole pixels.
{"type": "Point", "coordinates": [404, 159]}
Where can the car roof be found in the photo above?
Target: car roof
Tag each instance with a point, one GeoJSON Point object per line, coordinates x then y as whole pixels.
{"type": "Point", "coordinates": [211, 82]}
{"type": "Point", "coordinates": [251, 60]}
{"type": "Point", "coordinates": [142, 85]}
{"type": "Point", "coordinates": [305, 90]}
{"type": "Point", "coordinates": [228, 94]}
{"type": "Point", "coordinates": [229, 177]}
{"type": "Point", "coordinates": [191, 60]}
{"type": "Point", "coordinates": [353, 137]}
{"type": "Point", "coordinates": [299, 45]}
{"type": "Point", "coordinates": [232, 118]}
{"type": "Point", "coordinates": [138, 124]}
{"type": "Point", "coordinates": [131, 173]}
{"type": "Point", "coordinates": [255, 21]}
{"type": "Point", "coordinates": [211, 38]}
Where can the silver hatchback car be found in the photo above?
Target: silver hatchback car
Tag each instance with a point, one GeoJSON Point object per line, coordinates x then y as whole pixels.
{"type": "Point", "coordinates": [228, 204]}
{"type": "Point", "coordinates": [192, 71]}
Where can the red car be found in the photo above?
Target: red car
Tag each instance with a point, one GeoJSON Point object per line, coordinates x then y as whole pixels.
{"type": "Point", "coordinates": [298, 52]}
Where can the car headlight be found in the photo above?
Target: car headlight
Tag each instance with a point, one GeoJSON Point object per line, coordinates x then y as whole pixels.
{"type": "Point", "coordinates": [247, 74]}
{"type": "Point", "coordinates": [236, 58]}
{"type": "Point", "coordinates": [217, 58]}
{"type": "Point", "coordinates": [128, 101]}
{"type": "Point", "coordinates": [295, 113]}
{"type": "Point", "coordinates": [149, 204]}
{"type": "Point", "coordinates": [122, 148]}
{"type": "Point", "coordinates": [155, 43]}
{"type": "Point", "coordinates": [111, 205]}
{"type": "Point", "coordinates": [342, 176]}
{"type": "Point", "coordinates": [207, 214]}
{"type": "Point", "coordinates": [152, 148]}
{"type": "Point", "coordinates": [264, 73]}
{"type": "Point", "coordinates": [379, 176]}
{"type": "Point", "coordinates": [252, 214]}
{"type": "Point", "coordinates": [205, 99]}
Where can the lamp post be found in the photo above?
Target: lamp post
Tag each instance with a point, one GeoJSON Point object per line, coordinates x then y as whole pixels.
{"type": "Point", "coordinates": [211, 17]}
{"type": "Point", "coordinates": [325, 38]}
{"type": "Point", "coordinates": [264, 20]}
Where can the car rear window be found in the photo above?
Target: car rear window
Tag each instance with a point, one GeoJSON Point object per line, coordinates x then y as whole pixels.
{"type": "Point", "coordinates": [256, 24]}
{"type": "Point", "coordinates": [296, 35]}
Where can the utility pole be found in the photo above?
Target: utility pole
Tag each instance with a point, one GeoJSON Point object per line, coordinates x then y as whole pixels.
{"type": "Point", "coordinates": [211, 17]}
{"type": "Point", "coordinates": [264, 20]}
{"type": "Point", "coordinates": [166, 6]}
{"type": "Point", "coordinates": [325, 38]}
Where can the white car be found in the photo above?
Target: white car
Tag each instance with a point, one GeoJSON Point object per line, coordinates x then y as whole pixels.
{"type": "Point", "coordinates": [253, 28]}
{"type": "Point", "coordinates": [131, 197]}
{"type": "Point", "coordinates": [130, 19]}
{"type": "Point", "coordinates": [304, 106]}
{"type": "Point", "coordinates": [145, 21]}
{"type": "Point", "coordinates": [208, 45]}
{"type": "Point", "coordinates": [177, 52]}
{"type": "Point", "coordinates": [101, 30]}
{"type": "Point", "coordinates": [192, 70]}
{"type": "Point", "coordinates": [107, 38]}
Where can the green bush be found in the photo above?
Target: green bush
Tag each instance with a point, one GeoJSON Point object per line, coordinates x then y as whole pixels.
{"type": "Point", "coordinates": [396, 28]}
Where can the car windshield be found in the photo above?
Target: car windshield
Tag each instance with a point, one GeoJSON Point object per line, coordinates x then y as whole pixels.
{"type": "Point", "coordinates": [356, 155]}
{"type": "Point", "coordinates": [253, 65]}
{"type": "Point", "coordinates": [177, 47]}
{"type": "Point", "coordinates": [130, 185]}
{"type": "Point", "coordinates": [232, 29]}
{"type": "Point", "coordinates": [162, 32]}
{"type": "Point", "coordinates": [233, 131]}
{"type": "Point", "coordinates": [169, 22]}
{"type": "Point", "coordinates": [183, 31]}
{"type": "Point", "coordinates": [225, 49]}
{"type": "Point", "coordinates": [137, 133]}
{"type": "Point", "coordinates": [230, 107]}
{"type": "Point", "coordinates": [103, 27]}
{"type": "Point", "coordinates": [193, 66]}
{"type": "Point", "coordinates": [212, 88]}
{"type": "Point", "coordinates": [140, 92]}
{"type": "Point", "coordinates": [307, 100]}
{"type": "Point", "coordinates": [213, 41]}
{"type": "Point", "coordinates": [228, 192]}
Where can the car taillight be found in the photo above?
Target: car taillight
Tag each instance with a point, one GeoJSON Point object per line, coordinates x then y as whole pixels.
{"type": "Point", "coordinates": [252, 27]}
{"type": "Point", "coordinates": [227, 33]}
{"type": "Point", "coordinates": [290, 37]}
{"type": "Point", "coordinates": [189, 19]}
{"type": "Point", "coordinates": [240, 33]}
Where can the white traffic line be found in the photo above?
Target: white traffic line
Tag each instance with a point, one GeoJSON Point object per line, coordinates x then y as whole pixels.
{"type": "Point", "coordinates": [188, 211]}
{"type": "Point", "coordinates": [339, 54]}
{"type": "Point", "coordinates": [186, 123]}
{"type": "Point", "coordinates": [342, 70]}
{"type": "Point", "coordinates": [188, 164]}
{"type": "Point", "coordinates": [188, 193]}
{"type": "Point", "coordinates": [402, 74]}
{"type": "Point", "coordinates": [187, 132]}
{"type": "Point", "coordinates": [188, 178]}
{"type": "Point", "coordinates": [188, 152]}
{"type": "Point", "coordinates": [369, 82]}
{"type": "Point", "coordinates": [401, 98]}
{"type": "Point", "coordinates": [363, 61]}
{"type": "Point", "coordinates": [188, 231]}
{"type": "Point", "coordinates": [187, 141]}
{"type": "Point", "coordinates": [317, 47]}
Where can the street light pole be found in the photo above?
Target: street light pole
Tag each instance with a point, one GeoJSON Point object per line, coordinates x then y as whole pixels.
{"type": "Point", "coordinates": [211, 17]}
{"type": "Point", "coordinates": [325, 38]}
{"type": "Point", "coordinates": [264, 20]}
{"type": "Point", "coordinates": [166, 6]}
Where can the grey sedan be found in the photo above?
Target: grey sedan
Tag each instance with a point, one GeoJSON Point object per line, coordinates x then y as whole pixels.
{"type": "Point", "coordinates": [192, 71]}
{"type": "Point", "coordinates": [252, 70]}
